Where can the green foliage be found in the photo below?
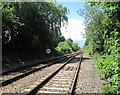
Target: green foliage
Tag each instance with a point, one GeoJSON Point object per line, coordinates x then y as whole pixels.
{"type": "Point", "coordinates": [107, 66]}
{"type": "Point", "coordinates": [67, 47]}
{"type": "Point", "coordinates": [75, 47]}
{"type": "Point", "coordinates": [30, 27]}
{"type": "Point", "coordinates": [63, 48]}
{"type": "Point", "coordinates": [103, 41]}
{"type": "Point", "coordinates": [69, 42]}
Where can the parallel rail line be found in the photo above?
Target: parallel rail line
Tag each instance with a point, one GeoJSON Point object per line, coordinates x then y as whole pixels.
{"type": "Point", "coordinates": [40, 85]}
{"type": "Point", "coordinates": [9, 81]}
{"type": "Point", "coordinates": [31, 65]}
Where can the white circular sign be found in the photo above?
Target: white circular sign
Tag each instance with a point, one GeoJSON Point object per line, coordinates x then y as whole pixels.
{"type": "Point", "coordinates": [48, 51]}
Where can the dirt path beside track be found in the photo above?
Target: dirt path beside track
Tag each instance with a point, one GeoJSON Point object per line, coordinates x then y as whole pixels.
{"type": "Point", "coordinates": [88, 81]}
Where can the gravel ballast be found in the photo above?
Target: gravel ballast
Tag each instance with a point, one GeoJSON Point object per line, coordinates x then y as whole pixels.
{"type": "Point", "coordinates": [20, 85]}
{"type": "Point", "coordinates": [88, 81]}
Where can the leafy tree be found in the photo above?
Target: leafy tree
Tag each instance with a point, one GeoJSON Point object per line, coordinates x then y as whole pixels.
{"type": "Point", "coordinates": [69, 42]}
{"type": "Point", "coordinates": [31, 28]}
{"type": "Point", "coordinates": [75, 47]}
{"type": "Point", "coordinates": [9, 20]}
{"type": "Point", "coordinates": [67, 47]}
{"type": "Point", "coordinates": [102, 40]}
{"type": "Point", "coordinates": [63, 48]}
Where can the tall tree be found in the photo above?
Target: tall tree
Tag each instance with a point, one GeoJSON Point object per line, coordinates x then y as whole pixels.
{"type": "Point", "coordinates": [31, 26]}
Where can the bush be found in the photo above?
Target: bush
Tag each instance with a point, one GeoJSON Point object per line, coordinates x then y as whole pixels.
{"type": "Point", "coordinates": [63, 48]}
{"type": "Point", "coordinates": [108, 65]}
{"type": "Point", "coordinates": [67, 47]}
{"type": "Point", "coordinates": [75, 47]}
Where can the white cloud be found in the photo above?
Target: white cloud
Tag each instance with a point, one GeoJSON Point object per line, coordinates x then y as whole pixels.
{"type": "Point", "coordinates": [74, 29]}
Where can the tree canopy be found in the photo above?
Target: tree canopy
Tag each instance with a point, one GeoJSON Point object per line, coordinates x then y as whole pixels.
{"type": "Point", "coordinates": [67, 47]}
{"type": "Point", "coordinates": [31, 26]}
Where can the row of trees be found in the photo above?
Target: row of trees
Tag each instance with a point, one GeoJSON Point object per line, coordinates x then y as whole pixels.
{"type": "Point", "coordinates": [102, 33]}
{"type": "Point", "coordinates": [32, 26]}
{"type": "Point", "coordinates": [67, 47]}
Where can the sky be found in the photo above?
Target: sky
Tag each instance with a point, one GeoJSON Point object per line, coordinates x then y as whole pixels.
{"type": "Point", "coordinates": [75, 22]}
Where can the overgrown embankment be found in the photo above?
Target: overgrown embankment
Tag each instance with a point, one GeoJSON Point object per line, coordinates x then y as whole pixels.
{"type": "Point", "coordinates": [29, 28]}
{"type": "Point", "coordinates": [102, 33]}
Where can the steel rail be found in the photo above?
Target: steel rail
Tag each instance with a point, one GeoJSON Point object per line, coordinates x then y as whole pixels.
{"type": "Point", "coordinates": [31, 65]}
{"type": "Point", "coordinates": [35, 90]}
{"type": "Point", "coordinates": [75, 78]}
{"type": "Point", "coordinates": [9, 81]}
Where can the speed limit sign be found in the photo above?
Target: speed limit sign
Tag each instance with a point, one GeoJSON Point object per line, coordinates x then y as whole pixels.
{"type": "Point", "coordinates": [48, 51]}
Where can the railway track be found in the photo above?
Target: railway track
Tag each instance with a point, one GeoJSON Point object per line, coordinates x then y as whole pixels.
{"type": "Point", "coordinates": [35, 81]}
{"type": "Point", "coordinates": [31, 65]}
{"type": "Point", "coordinates": [8, 79]}
{"type": "Point", "coordinates": [63, 80]}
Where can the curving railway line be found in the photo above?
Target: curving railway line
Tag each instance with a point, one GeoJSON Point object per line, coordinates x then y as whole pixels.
{"type": "Point", "coordinates": [48, 78]}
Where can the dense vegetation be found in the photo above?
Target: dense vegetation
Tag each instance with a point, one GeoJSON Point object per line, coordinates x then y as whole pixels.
{"type": "Point", "coordinates": [67, 47]}
{"type": "Point", "coordinates": [102, 33]}
{"type": "Point", "coordinates": [29, 28]}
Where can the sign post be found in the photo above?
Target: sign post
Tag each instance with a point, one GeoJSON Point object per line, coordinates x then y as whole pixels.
{"type": "Point", "coordinates": [48, 51]}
